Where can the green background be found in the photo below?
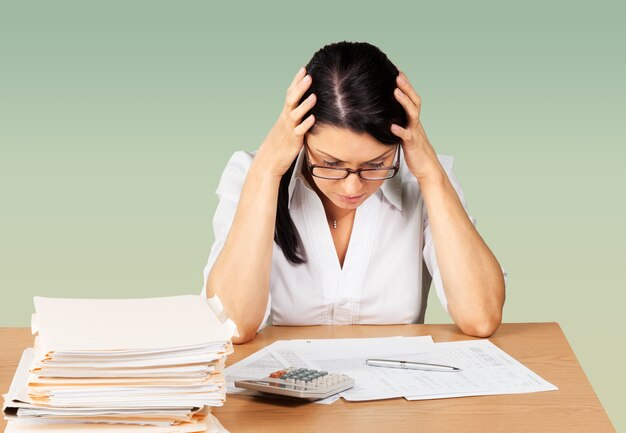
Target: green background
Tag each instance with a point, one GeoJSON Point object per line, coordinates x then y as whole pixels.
{"type": "Point", "coordinates": [118, 117]}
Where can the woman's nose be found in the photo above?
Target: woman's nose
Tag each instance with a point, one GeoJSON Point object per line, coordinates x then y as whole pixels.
{"type": "Point", "coordinates": [353, 184]}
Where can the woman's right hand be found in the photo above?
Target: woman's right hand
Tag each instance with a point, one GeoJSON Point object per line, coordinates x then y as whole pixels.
{"type": "Point", "coordinates": [286, 138]}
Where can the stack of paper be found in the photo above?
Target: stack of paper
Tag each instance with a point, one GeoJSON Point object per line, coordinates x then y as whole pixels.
{"type": "Point", "coordinates": [122, 365]}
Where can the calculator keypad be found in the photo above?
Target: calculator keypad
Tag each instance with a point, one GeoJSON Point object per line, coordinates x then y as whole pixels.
{"type": "Point", "coordinates": [300, 382]}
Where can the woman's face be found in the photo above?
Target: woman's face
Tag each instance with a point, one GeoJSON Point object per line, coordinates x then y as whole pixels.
{"type": "Point", "coordinates": [342, 148]}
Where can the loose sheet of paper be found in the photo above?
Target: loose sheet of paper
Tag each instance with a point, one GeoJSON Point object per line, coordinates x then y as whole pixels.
{"type": "Point", "coordinates": [345, 356]}
{"type": "Point", "coordinates": [348, 356]}
{"type": "Point", "coordinates": [487, 370]}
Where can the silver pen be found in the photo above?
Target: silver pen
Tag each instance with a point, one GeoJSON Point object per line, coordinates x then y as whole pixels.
{"type": "Point", "coordinates": [410, 365]}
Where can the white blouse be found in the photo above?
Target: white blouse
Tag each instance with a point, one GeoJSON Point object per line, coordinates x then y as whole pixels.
{"type": "Point", "coordinates": [389, 262]}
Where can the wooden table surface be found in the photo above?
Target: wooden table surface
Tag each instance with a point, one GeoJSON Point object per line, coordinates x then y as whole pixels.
{"type": "Point", "coordinates": [542, 347]}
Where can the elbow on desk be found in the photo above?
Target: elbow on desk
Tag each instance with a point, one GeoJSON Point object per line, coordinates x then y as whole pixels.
{"type": "Point", "coordinates": [246, 322]}
{"type": "Point", "coordinates": [481, 329]}
{"type": "Point", "coordinates": [244, 337]}
{"type": "Point", "coordinates": [483, 325]}
{"type": "Point", "coordinates": [247, 331]}
{"type": "Point", "coordinates": [478, 321]}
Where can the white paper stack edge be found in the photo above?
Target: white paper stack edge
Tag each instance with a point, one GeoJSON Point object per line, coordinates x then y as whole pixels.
{"type": "Point", "coordinates": [152, 365]}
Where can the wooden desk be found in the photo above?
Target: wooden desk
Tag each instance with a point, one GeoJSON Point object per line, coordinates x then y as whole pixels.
{"type": "Point", "coordinates": [542, 347]}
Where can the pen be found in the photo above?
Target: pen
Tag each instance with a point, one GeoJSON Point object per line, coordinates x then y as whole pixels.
{"type": "Point", "coordinates": [410, 365]}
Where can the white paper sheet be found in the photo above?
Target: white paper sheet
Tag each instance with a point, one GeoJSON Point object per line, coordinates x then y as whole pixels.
{"type": "Point", "coordinates": [348, 356]}
{"type": "Point", "coordinates": [487, 370]}
{"type": "Point", "coordinates": [67, 324]}
{"type": "Point", "coordinates": [311, 354]}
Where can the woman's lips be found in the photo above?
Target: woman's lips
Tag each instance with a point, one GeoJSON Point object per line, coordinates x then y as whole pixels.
{"type": "Point", "coordinates": [350, 199]}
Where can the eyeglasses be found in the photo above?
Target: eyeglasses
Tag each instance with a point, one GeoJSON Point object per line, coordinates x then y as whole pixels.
{"type": "Point", "coordinates": [333, 173]}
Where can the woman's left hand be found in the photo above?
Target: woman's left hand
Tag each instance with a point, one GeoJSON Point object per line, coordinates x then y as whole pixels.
{"type": "Point", "coordinates": [419, 154]}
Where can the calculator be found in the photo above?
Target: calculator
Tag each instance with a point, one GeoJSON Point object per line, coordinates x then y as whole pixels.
{"type": "Point", "coordinates": [301, 383]}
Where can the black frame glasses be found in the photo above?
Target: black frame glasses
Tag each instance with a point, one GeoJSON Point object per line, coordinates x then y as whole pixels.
{"type": "Point", "coordinates": [391, 171]}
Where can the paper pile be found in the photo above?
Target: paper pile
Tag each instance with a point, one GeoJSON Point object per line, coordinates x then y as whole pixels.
{"type": "Point", "coordinates": [122, 365]}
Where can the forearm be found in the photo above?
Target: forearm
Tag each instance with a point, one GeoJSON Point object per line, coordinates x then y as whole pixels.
{"type": "Point", "coordinates": [471, 275]}
{"type": "Point", "coordinates": [241, 273]}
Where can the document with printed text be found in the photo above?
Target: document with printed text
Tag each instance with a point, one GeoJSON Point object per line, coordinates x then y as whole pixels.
{"type": "Point", "coordinates": [486, 369]}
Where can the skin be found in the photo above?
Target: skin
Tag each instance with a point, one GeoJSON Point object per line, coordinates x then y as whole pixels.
{"type": "Point", "coordinates": [342, 148]}
{"type": "Point", "coordinates": [471, 275]}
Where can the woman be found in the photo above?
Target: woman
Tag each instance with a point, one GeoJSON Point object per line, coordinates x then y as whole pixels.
{"type": "Point", "coordinates": [345, 211]}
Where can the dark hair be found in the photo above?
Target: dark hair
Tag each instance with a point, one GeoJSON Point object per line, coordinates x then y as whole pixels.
{"type": "Point", "coordinates": [354, 83]}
